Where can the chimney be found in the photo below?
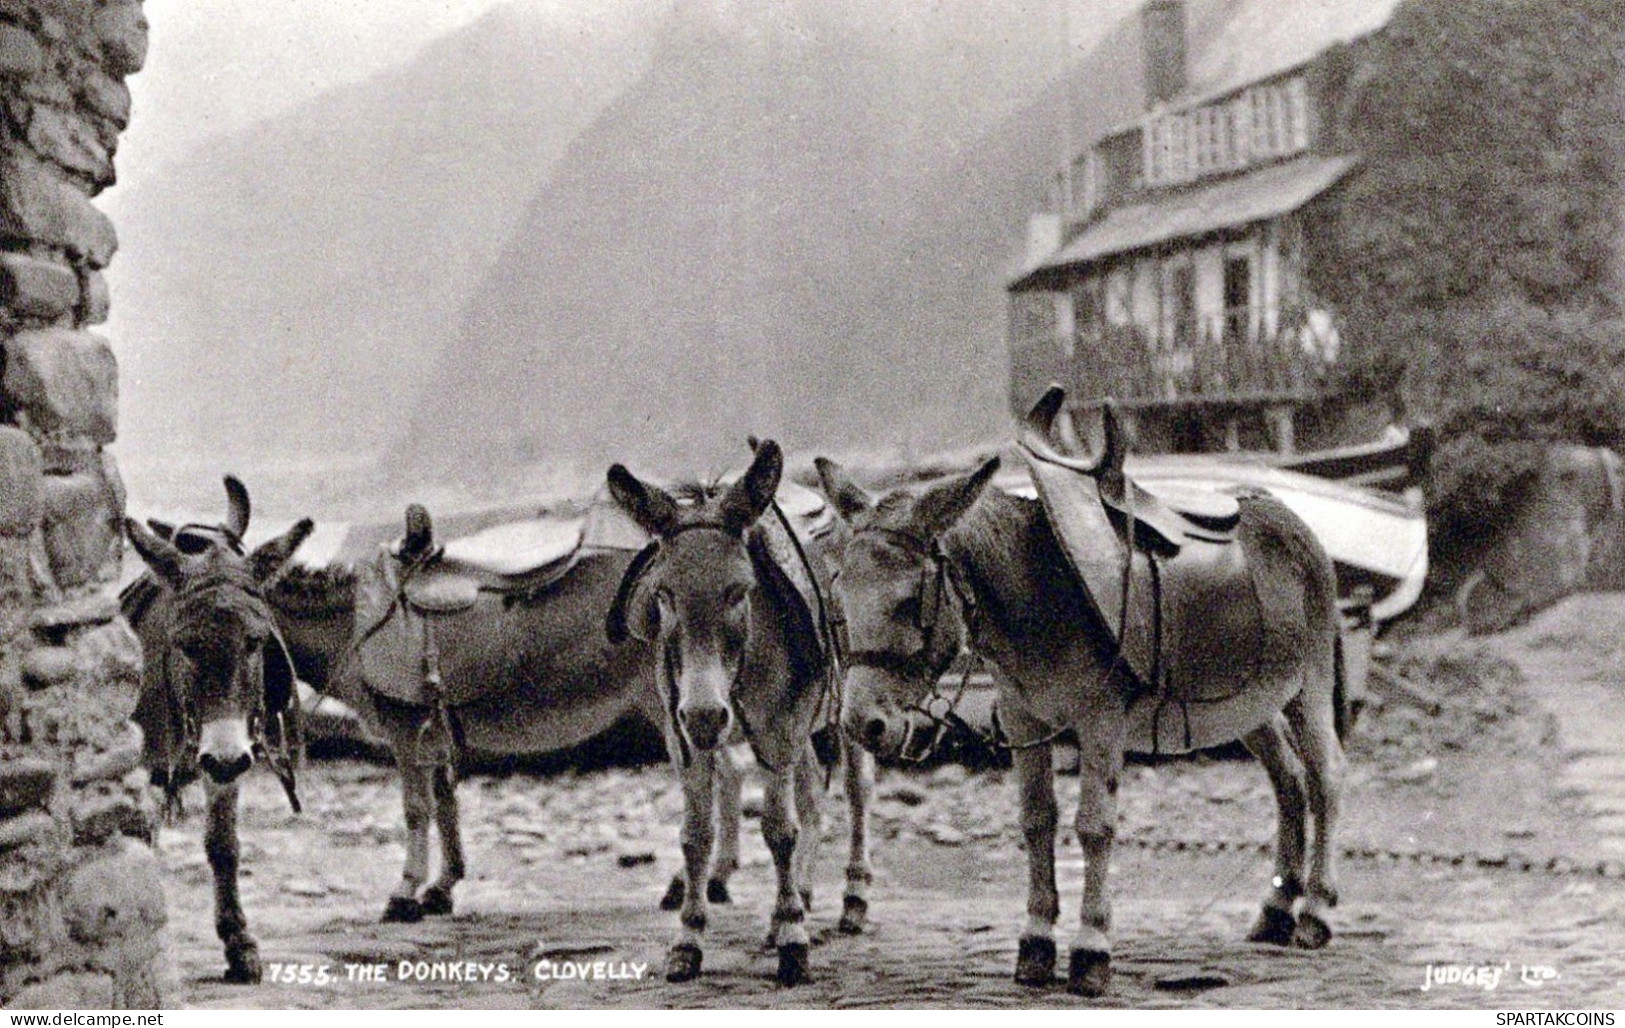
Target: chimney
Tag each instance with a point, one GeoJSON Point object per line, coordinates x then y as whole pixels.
{"type": "Point", "coordinates": [1162, 32]}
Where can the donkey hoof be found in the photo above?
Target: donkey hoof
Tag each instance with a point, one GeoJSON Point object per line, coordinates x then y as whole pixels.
{"type": "Point", "coordinates": [716, 891]}
{"type": "Point", "coordinates": [403, 910]}
{"type": "Point", "coordinates": [673, 899]}
{"type": "Point", "coordinates": [1274, 926]}
{"type": "Point", "coordinates": [854, 912]}
{"type": "Point", "coordinates": [243, 964]}
{"type": "Point", "coordinates": [1035, 961]}
{"type": "Point", "coordinates": [683, 963]}
{"type": "Point", "coordinates": [794, 966]}
{"type": "Point", "coordinates": [1312, 932]}
{"type": "Point", "coordinates": [1089, 973]}
{"type": "Point", "coordinates": [435, 901]}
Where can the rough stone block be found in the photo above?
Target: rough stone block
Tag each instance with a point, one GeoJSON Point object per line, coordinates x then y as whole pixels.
{"type": "Point", "coordinates": [98, 817]}
{"type": "Point", "coordinates": [96, 608]}
{"type": "Point", "coordinates": [20, 831]}
{"type": "Point", "coordinates": [47, 666]}
{"type": "Point", "coordinates": [20, 53]}
{"type": "Point", "coordinates": [122, 29]}
{"type": "Point", "coordinates": [39, 205]}
{"type": "Point", "coordinates": [115, 898]}
{"type": "Point", "coordinates": [106, 96]}
{"type": "Point", "coordinates": [82, 537]}
{"type": "Point", "coordinates": [25, 783]}
{"type": "Point", "coordinates": [67, 992]}
{"type": "Point", "coordinates": [20, 470]}
{"type": "Point", "coordinates": [37, 289]}
{"type": "Point", "coordinates": [70, 141]}
{"type": "Point", "coordinates": [94, 299]}
{"type": "Point", "coordinates": [65, 381]}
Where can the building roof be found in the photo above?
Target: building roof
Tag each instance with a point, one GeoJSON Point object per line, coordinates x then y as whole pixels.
{"type": "Point", "coordinates": [1261, 38]}
{"type": "Point", "coordinates": [1193, 212]}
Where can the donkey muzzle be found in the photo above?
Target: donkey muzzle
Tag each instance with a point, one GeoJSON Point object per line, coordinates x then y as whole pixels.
{"type": "Point", "coordinates": [224, 749]}
{"type": "Point", "coordinates": [705, 724]}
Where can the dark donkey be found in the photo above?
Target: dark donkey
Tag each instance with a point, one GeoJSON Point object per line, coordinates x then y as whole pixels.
{"type": "Point", "coordinates": [1242, 648]}
{"type": "Point", "coordinates": [737, 646]}
{"type": "Point", "coordinates": [217, 688]}
{"type": "Point", "coordinates": [440, 653]}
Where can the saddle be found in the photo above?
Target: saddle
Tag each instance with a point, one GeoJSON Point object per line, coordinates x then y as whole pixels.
{"type": "Point", "coordinates": [416, 584]}
{"type": "Point", "coordinates": [1168, 576]}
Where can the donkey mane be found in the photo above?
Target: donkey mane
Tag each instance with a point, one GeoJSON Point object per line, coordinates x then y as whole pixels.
{"type": "Point", "coordinates": [315, 591]}
{"type": "Point", "coordinates": [1007, 555]}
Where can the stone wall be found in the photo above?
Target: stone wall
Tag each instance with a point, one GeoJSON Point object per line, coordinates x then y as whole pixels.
{"type": "Point", "coordinates": [81, 901]}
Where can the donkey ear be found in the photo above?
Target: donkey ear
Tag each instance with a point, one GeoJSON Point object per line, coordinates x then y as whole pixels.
{"type": "Point", "coordinates": [159, 553]}
{"type": "Point", "coordinates": [162, 529]}
{"type": "Point", "coordinates": [237, 506]}
{"type": "Point", "coordinates": [269, 558]}
{"type": "Point", "coordinates": [943, 505]}
{"type": "Point", "coordinates": [747, 498]}
{"type": "Point", "coordinates": [849, 500]}
{"type": "Point", "coordinates": [649, 505]}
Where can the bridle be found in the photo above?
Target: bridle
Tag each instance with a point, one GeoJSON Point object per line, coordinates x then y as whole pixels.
{"type": "Point", "coordinates": [931, 661]}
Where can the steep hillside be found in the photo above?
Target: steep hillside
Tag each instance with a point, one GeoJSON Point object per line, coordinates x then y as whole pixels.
{"type": "Point", "coordinates": [774, 232]}
{"type": "Point", "coordinates": [293, 283]}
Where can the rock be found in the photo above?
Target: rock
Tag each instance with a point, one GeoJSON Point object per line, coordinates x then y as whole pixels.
{"type": "Point", "coordinates": [906, 793]}
{"type": "Point", "coordinates": [48, 666]}
{"type": "Point", "coordinates": [18, 831]}
{"type": "Point", "coordinates": [1415, 772]}
{"type": "Point", "coordinates": [635, 858]}
{"type": "Point", "coordinates": [106, 96]}
{"type": "Point", "coordinates": [303, 887]}
{"type": "Point", "coordinates": [94, 299]}
{"type": "Point", "coordinates": [944, 835]}
{"type": "Point", "coordinates": [21, 55]}
{"type": "Point", "coordinates": [25, 783]}
{"type": "Point", "coordinates": [96, 608]}
{"type": "Point", "coordinates": [38, 206]}
{"type": "Point", "coordinates": [98, 817]}
{"type": "Point", "coordinates": [37, 289]}
{"type": "Point", "coordinates": [64, 381]}
{"type": "Point", "coordinates": [117, 760]}
{"type": "Point", "coordinates": [66, 992]}
{"type": "Point", "coordinates": [81, 527]}
{"type": "Point", "coordinates": [117, 896]}
{"type": "Point", "coordinates": [122, 29]}
{"type": "Point", "coordinates": [68, 140]}
{"type": "Point", "coordinates": [20, 471]}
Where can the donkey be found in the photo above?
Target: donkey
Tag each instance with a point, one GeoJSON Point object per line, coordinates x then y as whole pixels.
{"type": "Point", "coordinates": [523, 669]}
{"type": "Point", "coordinates": [217, 689]}
{"type": "Point", "coordinates": [737, 648]}
{"type": "Point", "coordinates": [928, 566]}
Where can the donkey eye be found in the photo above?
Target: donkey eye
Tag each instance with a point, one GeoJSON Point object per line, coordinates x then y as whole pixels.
{"type": "Point", "coordinates": [908, 609]}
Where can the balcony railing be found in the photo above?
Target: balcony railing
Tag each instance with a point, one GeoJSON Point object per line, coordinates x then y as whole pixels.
{"type": "Point", "coordinates": [1216, 361]}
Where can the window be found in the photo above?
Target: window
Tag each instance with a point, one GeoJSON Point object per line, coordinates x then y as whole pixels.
{"type": "Point", "coordinates": [1181, 299]}
{"type": "Point", "coordinates": [1238, 299]}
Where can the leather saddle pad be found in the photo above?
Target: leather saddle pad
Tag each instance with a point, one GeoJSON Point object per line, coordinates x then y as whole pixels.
{"type": "Point", "coordinates": [392, 635]}
{"type": "Point", "coordinates": [1192, 627]}
{"type": "Point", "coordinates": [518, 548]}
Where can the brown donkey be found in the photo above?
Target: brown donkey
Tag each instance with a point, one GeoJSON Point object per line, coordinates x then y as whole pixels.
{"type": "Point", "coordinates": [928, 565]}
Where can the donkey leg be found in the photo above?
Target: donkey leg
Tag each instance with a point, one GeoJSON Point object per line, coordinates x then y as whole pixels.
{"type": "Point", "coordinates": [809, 783]}
{"type": "Point", "coordinates": [728, 785]}
{"type": "Point", "coordinates": [220, 843]}
{"type": "Point", "coordinates": [780, 828]}
{"type": "Point", "coordinates": [417, 800]}
{"type": "Point", "coordinates": [436, 898]}
{"type": "Point", "coordinates": [1100, 766]}
{"type": "Point", "coordinates": [858, 773]}
{"type": "Point", "coordinates": [699, 833]}
{"type": "Point", "coordinates": [1323, 759]}
{"type": "Point", "coordinates": [1035, 778]}
{"type": "Point", "coordinates": [1270, 745]}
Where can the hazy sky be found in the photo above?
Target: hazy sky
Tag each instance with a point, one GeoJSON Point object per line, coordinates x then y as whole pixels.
{"type": "Point", "coordinates": [218, 65]}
